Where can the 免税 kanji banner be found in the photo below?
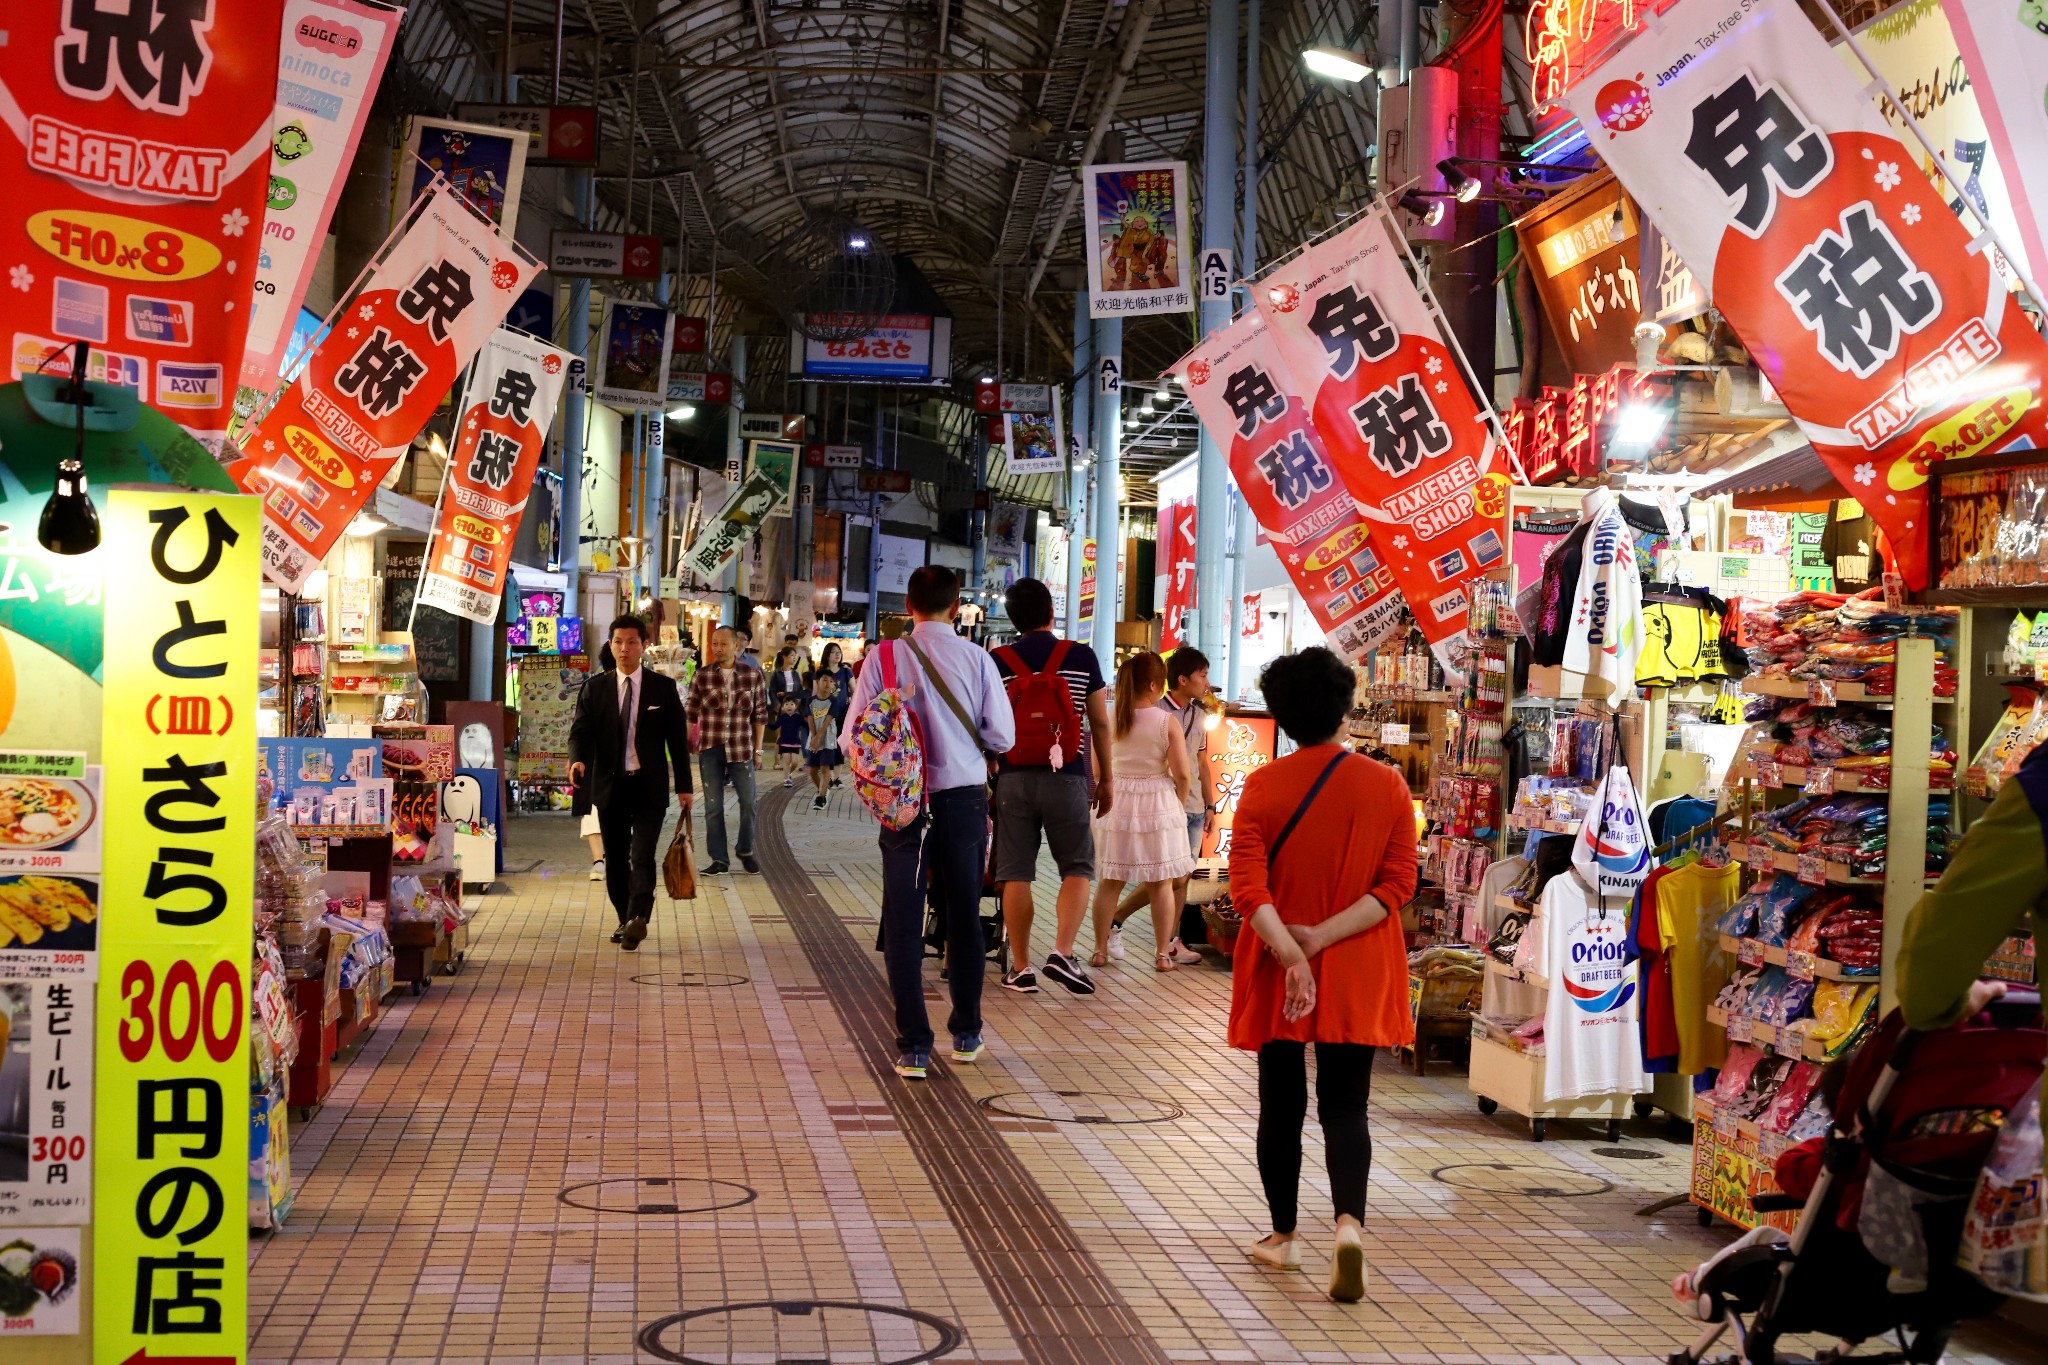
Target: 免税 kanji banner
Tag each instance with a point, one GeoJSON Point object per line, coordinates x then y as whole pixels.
{"type": "Point", "coordinates": [1240, 393]}
{"type": "Point", "coordinates": [139, 160]}
{"type": "Point", "coordinates": [508, 408]}
{"type": "Point", "coordinates": [1810, 225]}
{"type": "Point", "coordinates": [368, 389]}
{"type": "Point", "coordinates": [1410, 444]}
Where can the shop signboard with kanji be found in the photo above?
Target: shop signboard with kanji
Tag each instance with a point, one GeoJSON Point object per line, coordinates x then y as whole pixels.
{"type": "Point", "coordinates": [320, 452]}
{"type": "Point", "coordinates": [1137, 238]}
{"type": "Point", "coordinates": [143, 136]}
{"type": "Point", "coordinates": [170, 1238]}
{"type": "Point", "coordinates": [1237, 748]}
{"type": "Point", "coordinates": [1177, 565]}
{"type": "Point", "coordinates": [332, 60]}
{"type": "Point", "coordinates": [508, 408]}
{"type": "Point", "coordinates": [1410, 443]}
{"type": "Point", "coordinates": [1242, 397]}
{"type": "Point", "coordinates": [557, 134]}
{"type": "Point", "coordinates": [899, 346]}
{"type": "Point", "coordinates": [1807, 220]}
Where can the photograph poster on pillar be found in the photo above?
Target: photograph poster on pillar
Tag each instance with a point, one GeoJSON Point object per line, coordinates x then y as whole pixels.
{"type": "Point", "coordinates": [632, 365]}
{"type": "Point", "coordinates": [332, 61]}
{"type": "Point", "coordinates": [509, 406]}
{"type": "Point", "coordinates": [46, 1067]}
{"type": "Point", "coordinates": [1775, 178]}
{"type": "Point", "coordinates": [1241, 396]}
{"type": "Point", "coordinates": [1036, 442]}
{"type": "Point", "coordinates": [319, 454]}
{"type": "Point", "coordinates": [485, 165]}
{"type": "Point", "coordinates": [1137, 239]}
{"type": "Point", "coordinates": [137, 201]}
{"type": "Point", "coordinates": [1408, 441]}
{"type": "Point", "coordinates": [50, 842]}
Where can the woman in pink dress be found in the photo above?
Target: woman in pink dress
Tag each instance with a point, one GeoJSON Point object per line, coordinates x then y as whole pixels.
{"type": "Point", "coordinates": [1144, 838]}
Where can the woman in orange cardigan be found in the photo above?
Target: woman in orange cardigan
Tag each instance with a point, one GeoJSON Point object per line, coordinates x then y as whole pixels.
{"type": "Point", "coordinates": [1322, 855]}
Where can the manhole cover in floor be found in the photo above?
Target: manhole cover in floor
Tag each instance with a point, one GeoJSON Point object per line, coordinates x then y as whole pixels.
{"type": "Point", "coordinates": [1082, 1106]}
{"type": "Point", "coordinates": [1514, 1177]}
{"type": "Point", "coordinates": [658, 1194]}
{"type": "Point", "coordinates": [692, 979]}
{"type": "Point", "coordinates": [1628, 1154]}
{"type": "Point", "coordinates": [800, 1332]}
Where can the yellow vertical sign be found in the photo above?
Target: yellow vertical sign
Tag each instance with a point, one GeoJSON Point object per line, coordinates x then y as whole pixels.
{"type": "Point", "coordinates": [171, 1187]}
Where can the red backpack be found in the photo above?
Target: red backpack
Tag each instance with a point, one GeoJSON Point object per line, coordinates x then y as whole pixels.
{"type": "Point", "coordinates": [1048, 727]}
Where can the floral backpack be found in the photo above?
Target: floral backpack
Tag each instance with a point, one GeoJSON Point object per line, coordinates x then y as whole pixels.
{"type": "Point", "coordinates": [885, 749]}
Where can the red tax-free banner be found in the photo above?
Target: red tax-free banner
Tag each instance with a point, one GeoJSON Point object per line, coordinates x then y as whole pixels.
{"type": "Point", "coordinates": [143, 136]}
{"type": "Point", "coordinates": [1240, 393]}
{"type": "Point", "coordinates": [371, 385]}
{"type": "Point", "coordinates": [1411, 445]}
{"type": "Point", "coordinates": [508, 408]}
{"type": "Point", "coordinates": [1771, 173]}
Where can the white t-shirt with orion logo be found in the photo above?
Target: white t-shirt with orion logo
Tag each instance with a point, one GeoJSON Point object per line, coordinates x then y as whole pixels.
{"type": "Point", "coordinates": [1590, 1040]}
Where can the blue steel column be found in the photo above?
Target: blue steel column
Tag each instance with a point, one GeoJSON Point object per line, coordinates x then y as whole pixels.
{"type": "Point", "coordinates": [1219, 186]}
{"type": "Point", "coordinates": [1247, 266]}
{"type": "Point", "coordinates": [1109, 435]}
{"type": "Point", "coordinates": [574, 417]}
{"type": "Point", "coordinates": [1078, 411]}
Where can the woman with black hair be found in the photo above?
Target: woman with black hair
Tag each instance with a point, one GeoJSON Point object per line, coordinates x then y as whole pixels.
{"type": "Point", "coordinates": [787, 680]}
{"type": "Point", "coordinates": [1322, 856]}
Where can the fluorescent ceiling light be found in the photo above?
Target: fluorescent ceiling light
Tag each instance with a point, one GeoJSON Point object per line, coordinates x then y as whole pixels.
{"type": "Point", "coordinates": [1336, 64]}
{"type": "Point", "coordinates": [682, 412]}
{"type": "Point", "coordinates": [1639, 424]}
{"type": "Point", "coordinates": [367, 524]}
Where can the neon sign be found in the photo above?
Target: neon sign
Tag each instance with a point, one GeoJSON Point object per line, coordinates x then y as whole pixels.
{"type": "Point", "coordinates": [1557, 30]}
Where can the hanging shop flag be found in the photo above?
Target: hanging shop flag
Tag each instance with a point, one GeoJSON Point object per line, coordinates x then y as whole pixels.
{"type": "Point", "coordinates": [333, 58]}
{"type": "Point", "coordinates": [1137, 239]}
{"type": "Point", "coordinates": [139, 196]}
{"type": "Point", "coordinates": [2005, 49]}
{"type": "Point", "coordinates": [1036, 442]}
{"type": "Point", "coordinates": [1408, 441]}
{"type": "Point", "coordinates": [1085, 613]}
{"type": "Point", "coordinates": [510, 402]}
{"type": "Point", "coordinates": [1240, 393]}
{"type": "Point", "coordinates": [318, 455]}
{"type": "Point", "coordinates": [632, 368]}
{"type": "Point", "coordinates": [484, 165]}
{"type": "Point", "coordinates": [736, 524]}
{"type": "Point", "coordinates": [1177, 559]}
{"type": "Point", "coordinates": [1806, 220]}
{"type": "Point", "coordinates": [170, 1247]}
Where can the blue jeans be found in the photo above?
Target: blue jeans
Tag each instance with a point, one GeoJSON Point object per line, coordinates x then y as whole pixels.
{"type": "Point", "coordinates": [716, 771]}
{"type": "Point", "coordinates": [949, 845]}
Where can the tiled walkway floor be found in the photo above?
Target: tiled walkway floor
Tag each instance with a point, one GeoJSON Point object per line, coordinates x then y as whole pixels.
{"type": "Point", "coordinates": [566, 1143]}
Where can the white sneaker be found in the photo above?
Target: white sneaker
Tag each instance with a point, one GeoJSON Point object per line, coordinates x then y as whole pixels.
{"type": "Point", "coordinates": [1181, 953]}
{"type": "Point", "coordinates": [597, 870]}
{"type": "Point", "coordinates": [1347, 1266]}
{"type": "Point", "coordinates": [1116, 943]}
{"type": "Point", "coordinates": [1278, 1255]}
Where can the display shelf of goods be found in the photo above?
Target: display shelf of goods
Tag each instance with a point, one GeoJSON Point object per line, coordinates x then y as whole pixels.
{"type": "Point", "coordinates": [1505, 1078]}
{"type": "Point", "coordinates": [1763, 856]}
{"type": "Point", "coordinates": [1806, 966]}
{"type": "Point", "coordinates": [1519, 974]}
{"type": "Point", "coordinates": [1524, 821]}
{"type": "Point", "coordinates": [1784, 777]}
{"type": "Point", "coordinates": [1805, 687]}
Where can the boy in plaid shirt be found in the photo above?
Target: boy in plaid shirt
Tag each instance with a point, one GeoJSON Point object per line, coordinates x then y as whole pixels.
{"type": "Point", "coordinates": [729, 705]}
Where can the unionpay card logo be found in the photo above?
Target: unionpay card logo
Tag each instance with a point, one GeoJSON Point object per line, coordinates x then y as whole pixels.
{"type": "Point", "coordinates": [161, 322]}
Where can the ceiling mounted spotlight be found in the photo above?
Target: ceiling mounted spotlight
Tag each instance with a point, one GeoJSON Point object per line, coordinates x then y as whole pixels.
{"type": "Point", "coordinates": [1337, 64]}
{"type": "Point", "coordinates": [1429, 210]}
{"type": "Point", "coordinates": [70, 524]}
{"type": "Point", "coordinates": [1462, 187]}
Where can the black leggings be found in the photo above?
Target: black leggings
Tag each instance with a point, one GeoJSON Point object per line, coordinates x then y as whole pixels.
{"type": "Point", "coordinates": [1343, 1090]}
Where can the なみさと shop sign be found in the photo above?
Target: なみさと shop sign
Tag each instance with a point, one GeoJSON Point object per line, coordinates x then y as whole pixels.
{"type": "Point", "coordinates": [170, 1243]}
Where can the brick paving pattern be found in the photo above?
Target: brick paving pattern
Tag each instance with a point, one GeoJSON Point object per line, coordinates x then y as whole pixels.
{"type": "Point", "coordinates": [739, 1140]}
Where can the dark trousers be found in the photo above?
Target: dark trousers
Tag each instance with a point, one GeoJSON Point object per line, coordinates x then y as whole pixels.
{"type": "Point", "coordinates": [631, 826]}
{"type": "Point", "coordinates": [1343, 1091]}
{"type": "Point", "coordinates": [948, 845]}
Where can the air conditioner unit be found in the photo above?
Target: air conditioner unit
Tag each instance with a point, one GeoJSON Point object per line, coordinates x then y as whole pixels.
{"type": "Point", "coordinates": [1418, 128]}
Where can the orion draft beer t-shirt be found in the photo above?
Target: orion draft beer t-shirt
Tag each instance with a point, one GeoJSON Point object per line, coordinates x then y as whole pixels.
{"type": "Point", "coordinates": [1589, 1025]}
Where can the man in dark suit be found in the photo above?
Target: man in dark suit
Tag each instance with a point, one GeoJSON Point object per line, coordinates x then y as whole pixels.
{"type": "Point", "coordinates": [628, 735]}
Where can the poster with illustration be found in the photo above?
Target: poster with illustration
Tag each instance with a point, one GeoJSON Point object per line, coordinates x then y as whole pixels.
{"type": "Point", "coordinates": [1035, 442]}
{"type": "Point", "coordinates": [39, 1270]}
{"type": "Point", "coordinates": [46, 1076]}
{"type": "Point", "coordinates": [484, 165]}
{"type": "Point", "coordinates": [632, 366]}
{"type": "Point", "coordinates": [1137, 239]}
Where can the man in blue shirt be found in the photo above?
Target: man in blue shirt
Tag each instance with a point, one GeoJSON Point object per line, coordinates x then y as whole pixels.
{"type": "Point", "coordinates": [950, 685]}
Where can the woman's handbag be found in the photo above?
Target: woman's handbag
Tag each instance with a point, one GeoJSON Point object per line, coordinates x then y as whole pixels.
{"type": "Point", "coordinates": [679, 865]}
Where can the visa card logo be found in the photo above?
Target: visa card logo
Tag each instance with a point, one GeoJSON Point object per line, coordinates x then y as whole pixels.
{"type": "Point", "coordinates": [161, 322]}
{"type": "Point", "coordinates": [188, 386]}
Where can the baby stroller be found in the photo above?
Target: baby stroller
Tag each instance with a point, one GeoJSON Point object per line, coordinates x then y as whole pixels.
{"type": "Point", "coordinates": [1918, 1109]}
